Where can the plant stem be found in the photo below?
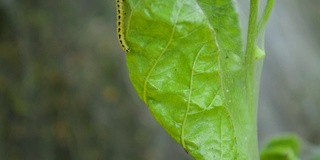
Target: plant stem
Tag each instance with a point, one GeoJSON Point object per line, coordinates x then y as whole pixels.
{"type": "Point", "coordinates": [250, 68]}
{"type": "Point", "coordinates": [265, 16]}
{"type": "Point", "coordinates": [251, 35]}
{"type": "Point", "coordinates": [254, 28]}
{"type": "Point", "coordinates": [250, 56]}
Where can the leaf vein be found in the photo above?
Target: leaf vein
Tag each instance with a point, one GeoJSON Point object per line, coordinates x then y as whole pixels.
{"type": "Point", "coordinates": [161, 54]}
{"type": "Point", "coordinates": [189, 98]}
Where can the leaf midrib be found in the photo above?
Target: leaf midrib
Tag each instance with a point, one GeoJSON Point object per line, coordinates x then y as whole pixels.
{"type": "Point", "coordinates": [221, 77]}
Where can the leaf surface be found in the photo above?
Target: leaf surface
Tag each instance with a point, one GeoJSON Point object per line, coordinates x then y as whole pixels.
{"type": "Point", "coordinates": [186, 63]}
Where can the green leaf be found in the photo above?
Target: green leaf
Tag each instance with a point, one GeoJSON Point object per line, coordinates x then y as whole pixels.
{"type": "Point", "coordinates": [186, 61]}
{"type": "Point", "coordinates": [281, 148]}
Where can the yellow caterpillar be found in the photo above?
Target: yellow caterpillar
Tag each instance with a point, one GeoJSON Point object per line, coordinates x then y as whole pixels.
{"type": "Point", "coordinates": [120, 26]}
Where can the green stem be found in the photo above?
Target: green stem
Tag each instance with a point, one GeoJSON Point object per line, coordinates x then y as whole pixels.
{"type": "Point", "coordinates": [254, 28]}
{"type": "Point", "coordinates": [251, 36]}
{"type": "Point", "coordinates": [266, 14]}
{"type": "Point", "coordinates": [250, 65]}
{"type": "Point", "coordinates": [251, 40]}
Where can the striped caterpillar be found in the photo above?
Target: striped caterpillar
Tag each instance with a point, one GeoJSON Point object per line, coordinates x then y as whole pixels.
{"type": "Point", "coordinates": [120, 26]}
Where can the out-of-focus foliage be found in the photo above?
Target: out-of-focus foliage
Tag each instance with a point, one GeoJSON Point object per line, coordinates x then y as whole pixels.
{"type": "Point", "coordinates": [281, 148]}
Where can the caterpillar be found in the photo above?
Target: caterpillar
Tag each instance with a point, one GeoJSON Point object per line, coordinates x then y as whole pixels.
{"type": "Point", "coordinates": [120, 26]}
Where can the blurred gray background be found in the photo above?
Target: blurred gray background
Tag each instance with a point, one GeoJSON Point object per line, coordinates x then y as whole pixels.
{"type": "Point", "coordinates": [65, 92]}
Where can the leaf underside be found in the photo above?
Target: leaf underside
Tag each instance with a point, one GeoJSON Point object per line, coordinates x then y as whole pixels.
{"type": "Point", "coordinates": [186, 61]}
